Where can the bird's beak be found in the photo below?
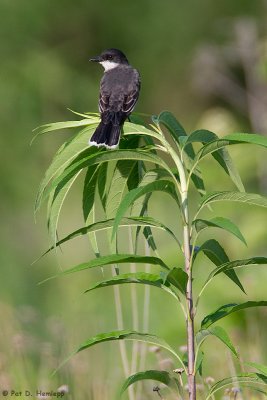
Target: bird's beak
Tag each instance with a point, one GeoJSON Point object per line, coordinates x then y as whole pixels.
{"type": "Point", "coordinates": [95, 59]}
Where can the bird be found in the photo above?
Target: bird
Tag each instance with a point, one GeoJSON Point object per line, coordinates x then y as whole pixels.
{"type": "Point", "coordinates": [119, 92]}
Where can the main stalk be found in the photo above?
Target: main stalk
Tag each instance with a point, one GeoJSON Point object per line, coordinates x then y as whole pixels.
{"type": "Point", "coordinates": [190, 323]}
{"type": "Point", "coordinates": [183, 189]}
{"type": "Point", "coordinates": [189, 299]}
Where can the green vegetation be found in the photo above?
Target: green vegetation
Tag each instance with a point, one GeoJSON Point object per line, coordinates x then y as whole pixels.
{"type": "Point", "coordinates": [190, 59]}
{"type": "Point", "coordinates": [157, 158]}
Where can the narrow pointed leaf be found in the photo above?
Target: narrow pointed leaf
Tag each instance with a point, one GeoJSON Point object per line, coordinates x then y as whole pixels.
{"type": "Point", "coordinates": [167, 378]}
{"type": "Point", "coordinates": [118, 186]}
{"type": "Point", "coordinates": [102, 183]}
{"type": "Point", "coordinates": [55, 207]}
{"type": "Point", "coordinates": [89, 189]}
{"type": "Point", "coordinates": [205, 136]}
{"type": "Point", "coordinates": [135, 129]}
{"type": "Point", "coordinates": [54, 126]}
{"type": "Point", "coordinates": [63, 158]}
{"type": "Point", "coordinates": [140, 207]}
{"type": "Point", "coordinates": [133, 195]}
{"type": "Point", "coordinates": [178, 278]}
{"type": "Point", "coordinates": [143, 278]}
{"type": "Point", "coordinates": [199, 362]}
{"type": "Point", "coordinates": [228, 309]}
{"type": "Point", "coordinates": [134, 176]}
{"type": "Point", "coordinates": [93, 157]}
{"type": "Point", "coordinates": [219, 222]}
{"type": "Point", "coordinates": [92, 234]}
{"type": "Point", "coordinates": [224, 159]}
{"type": "Point", "coordinates": [116, 259]}
{"type": "Point", "coordinates": [215, 252]}
{"type": "Point", "coordinates": [246, 198]}
{"type": "Point", "coordinates": [128, 335]}
{"type": "Point", "coordinates": [228, 266]}
{"type": "Point", "coordinates": [93, 116]}
{"type": "Point", "coordinates": [236, 138]}
{"type": "Point", "coordinates": [108, 224]}
{"type": "Point", "coordinates": [260, 367]}
{"type": "Point", "coordinates": [174, 127]}
{"type": "Point", "coordinates": [220, 333]}
{"type": "Point", "coordinates": [198, 183]}
{"type": "Point", "coordinates": [200, 136]}
{"type": "Point", "coordinates": [239, 379]}
{"type": "Point", "coordinates": [179, 135]}
{"type": "Point", "coordinates": [221, 155]}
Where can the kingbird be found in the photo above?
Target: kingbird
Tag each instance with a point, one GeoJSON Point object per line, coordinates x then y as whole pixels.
{"type": "Point", "coordinates": [119, 91]}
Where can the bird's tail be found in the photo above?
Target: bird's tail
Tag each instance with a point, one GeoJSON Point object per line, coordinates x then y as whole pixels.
{"type": "Point", "coordinates": [106, 134]}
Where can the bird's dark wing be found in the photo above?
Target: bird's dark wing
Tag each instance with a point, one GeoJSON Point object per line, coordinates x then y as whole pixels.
{"type": "Point", "coordinates": [103, 103]}
{"type": "Point", "coordinates": [131, 98]}
{"type": "Point", "coordinates": [125, 100]}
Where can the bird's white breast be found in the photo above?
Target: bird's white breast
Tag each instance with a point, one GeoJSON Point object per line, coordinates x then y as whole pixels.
{"type": "Point", "coordinates": [108, 65]}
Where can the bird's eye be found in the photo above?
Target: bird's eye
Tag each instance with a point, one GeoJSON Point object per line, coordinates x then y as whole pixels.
{"type": "Point", "coordinates": [109, 57]}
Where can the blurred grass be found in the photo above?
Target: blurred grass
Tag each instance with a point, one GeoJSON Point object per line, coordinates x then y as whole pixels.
{"type": "Point", "coordinates": [44, 69]}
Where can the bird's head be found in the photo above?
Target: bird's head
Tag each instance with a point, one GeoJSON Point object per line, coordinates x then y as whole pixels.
{"type": "Point", "coordinates": [110, 59]}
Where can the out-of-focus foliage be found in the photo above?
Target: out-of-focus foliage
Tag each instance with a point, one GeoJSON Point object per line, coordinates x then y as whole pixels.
{"type": "Point", "coordinates": [45, 47]}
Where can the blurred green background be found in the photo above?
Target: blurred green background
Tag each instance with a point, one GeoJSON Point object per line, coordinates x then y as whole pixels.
{"type": "Point", "coordinates": [204, 61]}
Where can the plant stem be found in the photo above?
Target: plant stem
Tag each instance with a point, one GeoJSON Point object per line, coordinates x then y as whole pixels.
{"type": "Point", "coordinates": [188, 269]}
{"type": "Point", "coordinates": [134, 301]}
{"type": "Point", "coordinates": [122, 344]}
{"type": "Point", "coordinates": [189, 294]}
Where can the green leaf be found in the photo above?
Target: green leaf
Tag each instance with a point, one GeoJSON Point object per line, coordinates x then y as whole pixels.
{"type": "Point", "coordinates": [108, 224]}
{"type": "Point", "coordinates": [260, 367]}
{"type": "Point", "coordinates": [128, 335]}
{"type": "Point", "coordinates": [54, 126]}
{"type": "Point", "coordinates": [136, 277]}
{"type": "Point", "coordinates": [55, 206]}
{"type": "Point", "coordinates": [174, 127]}
{"type": "Point", "coordinates": [235, 138]}
{"type": "Point", "coordinates": [118, 186]}
{"type": "Point", "coordinates": [102, 183]}
{"type": "Point", "coordinates": [135, 129]}
{"type": "Point", "coordinates": [215, 252]}
{"type": "Point", "coordinates": [246, 198]}
{"type": "Point", "coordinates": [198, 183]}
{"type": "Point", "coordinates": [200, 136]}
{"type": "Point", "coordinates": [179, 135]}
{"type": "Point", "coordinates": [167, 378]}
{"type": "Point", "coordinates": [178, 278]}
{"type": "Point", "coordinates": [219, 222]}
{"type": "Point", "coordinates": [226, 267]}
{"type": "Point", "coordinates": [249, 138]}
{"type": "Point", "coordinates": [94, 116]}
{"type": "Point", "coordinates": [140, 207]}
{"type": "Point", "coordinates": [92, 235]}
{"type": "Point", "coordinates": [243, 378]}
{"type": "Point", "coordinates": [67, 153]}
{"type": "Point", "coordinates": [134, 176]}
{"type": "Point", "coordinates": [238, 264]}
{"type": "Point", "coordinates": [225, 160]}
{"type": "Point", "coordinates": [133, 195]}
{"type": "Point", "coordinates": [199, 362]}
{"type": "Point", "coordinates": [228, 309]}
{"type": "Point", "coordinates": [220, 333]}
{"type": "Point", "coordinates": [89, 189]}
{"type": "Point", "coordinates": [221, 155]}
{"type": "Point", "coordinates": [92, 157]}
{"type": "Point", "coordinates": [115, 259]}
